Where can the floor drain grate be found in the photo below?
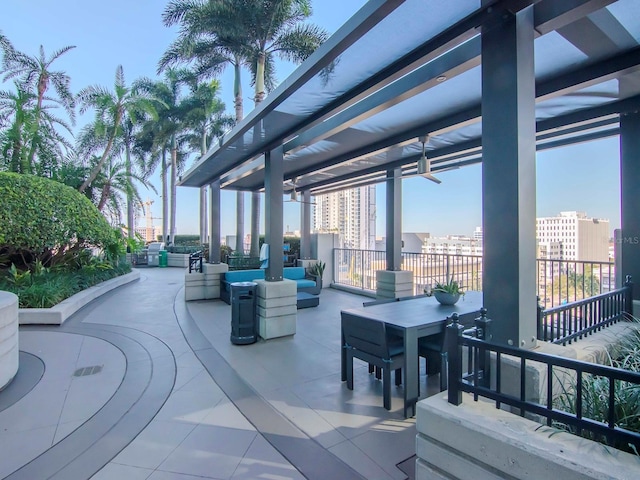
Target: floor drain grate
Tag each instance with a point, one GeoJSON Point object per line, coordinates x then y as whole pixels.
{"type": "Point", "coordinates": [84, 371]}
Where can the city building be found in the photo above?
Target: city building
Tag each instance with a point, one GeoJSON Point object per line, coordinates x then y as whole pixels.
{"type": "Point", "coordinates": [453, 245]}
{"type": "Point", "coordinates": [573, 236]}
{"type": "Point", "coordinates": [413, 241]}
{"type": "Point", "coordinates": [351, 214]}
{"type": "Point", "coordinates": [563, 243]}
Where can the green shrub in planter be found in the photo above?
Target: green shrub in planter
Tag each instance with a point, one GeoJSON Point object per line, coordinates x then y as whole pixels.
{"type": "Point", "coordinates": [43, 220]}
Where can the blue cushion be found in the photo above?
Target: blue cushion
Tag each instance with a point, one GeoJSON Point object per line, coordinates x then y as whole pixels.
{"type": "Point", "coordinates": [304, 283]}
{"type": "Point", "coordinates": [244, 275]}
{"type": "Point", "coordinates": [294, 273]}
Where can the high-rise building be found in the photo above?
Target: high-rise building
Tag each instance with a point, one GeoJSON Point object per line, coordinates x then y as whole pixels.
{"type": "Point", "coordinates": [351, 214]}
{"type": "Point", "coordinates": [573, 236]}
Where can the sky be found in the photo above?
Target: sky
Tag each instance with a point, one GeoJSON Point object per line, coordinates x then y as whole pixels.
{"type": "Point", "coordinates": [583, 177]}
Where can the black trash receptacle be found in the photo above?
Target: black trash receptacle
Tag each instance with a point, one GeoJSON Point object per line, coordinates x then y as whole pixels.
{"type": "Point", "coordinates": [244, 325]}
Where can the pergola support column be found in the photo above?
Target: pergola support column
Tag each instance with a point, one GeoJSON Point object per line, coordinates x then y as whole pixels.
{"type": "Point", "coordinates": [630, 198]}
{"type": "Point", "coordinates": [255, 224]}
{"type": "Point", "coordinates": [508, 179]}
{"type": "Point", "coordinates": [305, 259]}
{"type": "Point", "coordinates": [277, 297]}
{"type": "Point", "coordinates": [214, 221]}
{"type": "Point", "coordinates": [393, 282]}
{"type": "Point", "coordinates": [205, 285]}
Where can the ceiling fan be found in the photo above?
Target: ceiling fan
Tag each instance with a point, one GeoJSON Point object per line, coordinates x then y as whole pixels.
{"type": "Point", "coordinates": [424, 164]}
{"type": "Point", "coordinates": [294, 193]}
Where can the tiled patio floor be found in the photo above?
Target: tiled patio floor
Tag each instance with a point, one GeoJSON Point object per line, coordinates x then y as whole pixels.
{"type": "Point", "coordinates": [172, 398]}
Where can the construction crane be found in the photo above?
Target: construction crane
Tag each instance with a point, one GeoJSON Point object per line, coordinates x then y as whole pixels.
{"type": "Point", "coordinates": [149, 232]}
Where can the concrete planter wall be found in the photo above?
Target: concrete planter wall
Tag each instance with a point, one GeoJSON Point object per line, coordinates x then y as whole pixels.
{"type": "Point", "coordinates": [8, 338]}
{"type": "Point", "coordinates": [477, 441]}
{"type": "Point", "coordinates": [204, 285]}
{"type": "Point", "coordinates": [180, 260]}
{"type": "Point", "coordinates": [59, 313]}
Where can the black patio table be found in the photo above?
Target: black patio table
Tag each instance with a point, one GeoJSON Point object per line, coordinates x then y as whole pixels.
{"type": "Point", "coordinates": [414, 319]}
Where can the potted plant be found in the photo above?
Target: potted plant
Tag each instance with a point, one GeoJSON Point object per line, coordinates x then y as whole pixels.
{"type": "Point", "coordinates": [448, 293]}
{"type": "Point", "coordinates": [317, 270]}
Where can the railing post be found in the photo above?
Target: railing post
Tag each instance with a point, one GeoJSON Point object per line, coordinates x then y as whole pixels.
{"type": "Point", "coordinates": [540, 317]}
{"type": "Point", "coordinates": [454, 359]}
{"type": "Point", "coordinates": [483, 327]}
{"type": "Point", "coordinates": [446, 276]}
{"type": "Point", "coordinates": [628, 299]}
{"type": "Point", "coordinates": [362, 269]}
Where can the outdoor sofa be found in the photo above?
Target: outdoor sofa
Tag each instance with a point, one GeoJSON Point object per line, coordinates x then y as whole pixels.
{"type": "Point", "coordinates": [307, 283]}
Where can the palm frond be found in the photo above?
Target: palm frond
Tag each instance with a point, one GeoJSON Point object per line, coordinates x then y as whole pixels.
{"type": "Point", "coordinates": [299, 42]}
{"type": "Point", "coordinates": [176, 11]}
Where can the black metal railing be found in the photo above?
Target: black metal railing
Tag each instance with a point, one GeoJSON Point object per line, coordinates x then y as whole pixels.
{"type": "Point", "coordinates": [195, 262]}
{"type": "Point", "coordinates": [558, 281]}
{"type": "Point", "coordinates": [564, 281]}
{"type": "Point", "coordinates": [559, 370]}
{"type": "Point", "coordinates": [565, 323]}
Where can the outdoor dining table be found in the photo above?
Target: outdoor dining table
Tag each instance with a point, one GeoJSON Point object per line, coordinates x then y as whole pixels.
{"type": "Point", "coordinates": [414, 319]}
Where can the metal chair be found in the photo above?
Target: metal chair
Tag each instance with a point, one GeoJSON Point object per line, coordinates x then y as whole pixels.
{"type": "Point", "coordinates": [367, 340]}
{"type": "Point", "coordinates": [435, 355]}
{"type": "Point", "coordinates": [371, 303]}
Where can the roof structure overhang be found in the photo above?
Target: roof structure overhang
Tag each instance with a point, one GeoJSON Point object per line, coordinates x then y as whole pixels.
{"type": "Point", "coordinates": [399, 70]}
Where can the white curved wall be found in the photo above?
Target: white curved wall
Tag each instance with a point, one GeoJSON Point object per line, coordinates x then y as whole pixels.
{"type": "Point", "coordinates": [8, 338]}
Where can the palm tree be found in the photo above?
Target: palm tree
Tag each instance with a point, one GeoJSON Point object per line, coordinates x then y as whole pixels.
{"type": "Point", "coordinates": [200, 41]}
{"type": "Point", "coordinates": [111, 109]}
{"type": "Point", "coordinates": [274, 29]}
{"type": "Point", "coordinates": [136, 161]}
{"type": "Point", "coordinates": [116, 182]}
{"type": "Point", "coordinates": [19, 113]}
{"type": "Point", "coordinates": [5, 45]}
{"type": "Point", "coordinates": [172, 111]}
{"type": "Point", "coordinates": [207, 121]}
{"type": "Point", "coordinates": [16, 111]}
{"type": "Point", "coordinates": [250, 31]}
{"type": "Point", "coordinates": [35, 75]}
{"type": "Point", "coordinates": [153, 149]}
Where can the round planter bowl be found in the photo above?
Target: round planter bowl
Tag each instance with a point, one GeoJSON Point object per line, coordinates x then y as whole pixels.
{"type": "Point", "coordinates": [446, 298]}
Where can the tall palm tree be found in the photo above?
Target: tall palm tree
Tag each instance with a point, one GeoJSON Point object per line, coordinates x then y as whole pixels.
{"type": "Point", "coordinates": [135, 160]}
{"type": "Point", "coordinates": [207, 121]}
{"type": "Point", "coordinates": [200, 41]}
{"type": "Point", "coordinates": [170, 127]}
{"type": "Point", "coordinates": [35, 74]}
{"type": "Point", "coordinates": [111, 107]}
{"type": "Point", "coordinates": [270, 28]}
{"type": "Point", "coordinates": [252, 31]}
{"type": "Point", "coordinates": [153, 149]}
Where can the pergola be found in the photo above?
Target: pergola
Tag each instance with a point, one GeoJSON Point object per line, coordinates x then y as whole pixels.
{"type": "Point", "coordinates": [487, 81]}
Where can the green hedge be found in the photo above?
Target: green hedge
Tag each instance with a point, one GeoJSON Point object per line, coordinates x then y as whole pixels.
{"type": "Point", "coordinates": [43, 220]}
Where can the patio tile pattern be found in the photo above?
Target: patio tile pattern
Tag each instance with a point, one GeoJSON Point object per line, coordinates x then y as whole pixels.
{"type": "Point", "coordinates": [172, 398]}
